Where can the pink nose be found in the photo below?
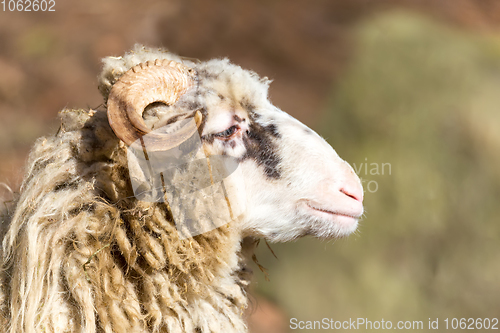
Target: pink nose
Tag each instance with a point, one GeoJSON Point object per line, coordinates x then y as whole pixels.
{"type": "Point", "coordinates": [352, 188]}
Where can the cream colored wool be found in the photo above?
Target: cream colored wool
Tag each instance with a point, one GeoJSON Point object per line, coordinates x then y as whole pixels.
{"type": "Point", "coordinates": [83, 255]}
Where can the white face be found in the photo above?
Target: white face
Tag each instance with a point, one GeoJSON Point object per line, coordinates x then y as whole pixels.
{"type": "Point", "coordinates": [295, 182]}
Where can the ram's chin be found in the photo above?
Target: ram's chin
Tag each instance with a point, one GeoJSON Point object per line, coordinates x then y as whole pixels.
{"type": "Point", "coordinates": [333, 227]}
{"type": "Point", "coordinates": [328, 223]}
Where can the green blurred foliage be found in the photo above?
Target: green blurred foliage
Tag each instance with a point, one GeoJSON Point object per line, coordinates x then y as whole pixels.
{"type": "Point", "coordinates": [425, 98]}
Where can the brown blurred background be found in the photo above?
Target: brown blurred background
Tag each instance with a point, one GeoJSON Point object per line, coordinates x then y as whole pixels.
{"type": "Point", "coordinates": [410, 83]}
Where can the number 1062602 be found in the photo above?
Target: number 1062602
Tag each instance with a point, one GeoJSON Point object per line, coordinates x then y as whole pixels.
{"type": "Point", "coordinates": [28, 5]}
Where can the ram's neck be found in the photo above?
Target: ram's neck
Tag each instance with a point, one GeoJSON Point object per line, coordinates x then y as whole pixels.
{"type": "Point", "coordinates": [83, 252]}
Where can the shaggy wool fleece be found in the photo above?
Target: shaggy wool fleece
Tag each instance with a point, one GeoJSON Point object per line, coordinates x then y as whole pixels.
{"type": "Point", "coordinates": [83, 255]}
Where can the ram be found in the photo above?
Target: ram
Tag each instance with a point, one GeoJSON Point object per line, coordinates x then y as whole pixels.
{"type": "Point", "coordinates": [100, 241]}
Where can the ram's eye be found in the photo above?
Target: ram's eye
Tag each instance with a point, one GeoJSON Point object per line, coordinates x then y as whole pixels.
{"type": "Point", "coordinates": [227, 134]}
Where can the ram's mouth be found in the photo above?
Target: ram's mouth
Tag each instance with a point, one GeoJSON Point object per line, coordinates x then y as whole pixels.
{"type": "Point", "coordinates": [337, 216]}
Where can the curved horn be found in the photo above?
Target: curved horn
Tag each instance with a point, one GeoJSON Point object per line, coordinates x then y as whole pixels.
{"type": "Point", "coordinates": [159, 81]}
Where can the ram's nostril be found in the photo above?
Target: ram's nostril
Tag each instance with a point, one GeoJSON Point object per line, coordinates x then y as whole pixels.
{"type": "Point", "coordinates": [353, 191]}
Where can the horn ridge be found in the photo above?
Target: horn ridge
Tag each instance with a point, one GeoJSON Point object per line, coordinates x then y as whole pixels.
{"type": "Point", "coordinates": [160, 80]}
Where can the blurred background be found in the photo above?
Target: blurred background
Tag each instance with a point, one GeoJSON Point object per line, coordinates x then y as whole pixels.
{"type": "Point", "coordinates": [407, 91]}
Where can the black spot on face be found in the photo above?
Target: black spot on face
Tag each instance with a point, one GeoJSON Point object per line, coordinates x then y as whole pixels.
{"type": "Point", "coordinates": [260, 147]}
{"type": "Point", "coordinates": [273, 130]}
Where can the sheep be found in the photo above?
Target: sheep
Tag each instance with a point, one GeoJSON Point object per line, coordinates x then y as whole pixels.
{"type": "Point", "coordinates": [82, 253]}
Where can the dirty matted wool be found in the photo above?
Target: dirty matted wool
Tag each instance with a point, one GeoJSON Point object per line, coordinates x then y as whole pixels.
{"type": "Point", "coordinates": [83, 255]}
